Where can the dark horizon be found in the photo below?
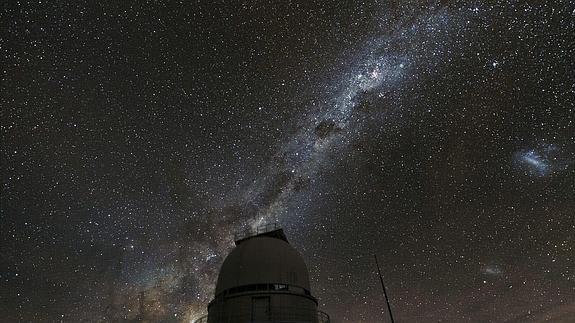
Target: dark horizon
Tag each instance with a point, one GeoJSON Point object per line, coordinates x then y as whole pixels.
{"type": "Point", "coordinates": [137, 138]}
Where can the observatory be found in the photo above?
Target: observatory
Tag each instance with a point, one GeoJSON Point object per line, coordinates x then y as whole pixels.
{"type": "Point", "coordinates": [263, 279]}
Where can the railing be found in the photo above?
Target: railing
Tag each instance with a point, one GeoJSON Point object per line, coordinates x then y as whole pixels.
{"type": "Point", "coordinates": [264, 288]}
{"type": "Point", "coordinates": [249, 232]}
{"type": "Point", "coordinates": [283, 315]}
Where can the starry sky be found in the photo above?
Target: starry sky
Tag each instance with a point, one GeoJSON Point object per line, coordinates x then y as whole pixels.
{"type": "Point", "coordinates": [139, 136]}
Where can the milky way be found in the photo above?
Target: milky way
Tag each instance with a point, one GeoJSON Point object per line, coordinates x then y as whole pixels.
{"type": "Point", "coordinates": [372, 75]}
{"type": "Point", "coordinates": [137, 139]}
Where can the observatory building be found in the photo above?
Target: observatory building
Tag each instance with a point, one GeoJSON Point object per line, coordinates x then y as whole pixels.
{"type": "Point", "coordinates": [263, 279]}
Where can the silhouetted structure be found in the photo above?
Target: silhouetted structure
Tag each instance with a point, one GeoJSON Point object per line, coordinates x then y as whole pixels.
{"type": "Point", "coordinates": [264, 279]}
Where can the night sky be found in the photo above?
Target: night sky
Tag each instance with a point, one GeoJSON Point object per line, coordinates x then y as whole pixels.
{"type": "Point", "coordinates": [137, 137]}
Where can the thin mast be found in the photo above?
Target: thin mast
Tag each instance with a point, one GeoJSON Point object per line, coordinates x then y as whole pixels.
{"type": "Point", "coordinates": [384, 292]}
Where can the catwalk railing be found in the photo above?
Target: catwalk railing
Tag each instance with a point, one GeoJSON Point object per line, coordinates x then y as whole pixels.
{"type": "Point", "coordinates": [284, 314]}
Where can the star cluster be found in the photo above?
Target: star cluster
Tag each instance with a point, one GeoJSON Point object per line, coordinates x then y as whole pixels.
{"type": "Point", "coordinates": [137, 138]}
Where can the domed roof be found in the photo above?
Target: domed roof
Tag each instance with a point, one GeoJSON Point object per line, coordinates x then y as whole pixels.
{"type": "Point", "coordinates": [263, 260]}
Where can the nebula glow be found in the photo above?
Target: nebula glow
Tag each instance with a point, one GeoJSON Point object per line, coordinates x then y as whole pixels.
{"type": "Point", "coordinates": [544, 160]}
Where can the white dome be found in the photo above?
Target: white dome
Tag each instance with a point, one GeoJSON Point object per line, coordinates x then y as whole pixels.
{"type": "Point", "coordinates": [263, 260]}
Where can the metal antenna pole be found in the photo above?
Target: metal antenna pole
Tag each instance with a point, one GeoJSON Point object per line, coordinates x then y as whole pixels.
{"type": "Point", "coordinates": [384, 292]}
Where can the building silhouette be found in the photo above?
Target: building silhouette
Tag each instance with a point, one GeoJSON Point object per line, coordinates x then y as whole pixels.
{"type": "Point", "coordinates": [263, 279]}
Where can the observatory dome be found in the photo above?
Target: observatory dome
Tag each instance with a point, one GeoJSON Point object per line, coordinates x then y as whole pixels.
{"type": "Point", "coordinates": [262, 260]}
